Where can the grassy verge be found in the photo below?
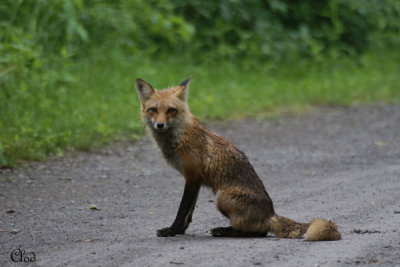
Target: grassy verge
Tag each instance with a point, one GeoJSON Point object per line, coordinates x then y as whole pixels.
{"type": "Point", "coordinates": [96, 100]}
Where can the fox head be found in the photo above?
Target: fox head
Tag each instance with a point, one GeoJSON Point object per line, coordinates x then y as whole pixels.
{"type": "Point", "coordinates": [163, 109]}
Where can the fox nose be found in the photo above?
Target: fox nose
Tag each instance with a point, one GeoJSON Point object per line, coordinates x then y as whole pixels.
{"type": "Point", "coordinates": [160, 125]}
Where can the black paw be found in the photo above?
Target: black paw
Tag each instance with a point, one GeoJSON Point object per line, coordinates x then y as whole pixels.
{"type": "Point", "coordinates": [167, 231]}
{"type": "Point", "coordinates": [222, 231]}
{"type": "Point", "coordinates": [230, 232]}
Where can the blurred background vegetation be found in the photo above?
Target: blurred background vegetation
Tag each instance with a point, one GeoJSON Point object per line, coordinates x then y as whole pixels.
{"type": "Point", "coordinates": [67, 67]}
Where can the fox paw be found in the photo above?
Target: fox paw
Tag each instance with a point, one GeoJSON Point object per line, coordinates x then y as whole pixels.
{"type": "Point", "coordinates": [222, 232]}
{"type": "Point", "coordinates": [230, 232]}
{"type": "Point", "coordinates": [167, 231]}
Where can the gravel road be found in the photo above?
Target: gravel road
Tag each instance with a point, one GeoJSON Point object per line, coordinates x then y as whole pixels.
{"type": "Point", "coordinates": [102, 207]}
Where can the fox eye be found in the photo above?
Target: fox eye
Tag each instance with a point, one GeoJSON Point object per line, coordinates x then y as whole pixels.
{"type": "Point", "coordinates": [153, 110]}
{"type": "Point", "coordinates": [172, 110]}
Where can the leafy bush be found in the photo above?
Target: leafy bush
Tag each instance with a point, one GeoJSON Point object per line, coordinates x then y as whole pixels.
{"type": "Point", "coordinates": [280, 28]}
{"type": "Point", "coordinates": [265, 29]}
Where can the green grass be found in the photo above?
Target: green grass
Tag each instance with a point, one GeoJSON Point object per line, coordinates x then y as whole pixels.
{"type": "Point", "coordinates": [96, 101]}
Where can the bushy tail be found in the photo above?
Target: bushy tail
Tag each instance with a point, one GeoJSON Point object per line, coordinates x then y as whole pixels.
{"type": "Point", "coordinates": [317, 230]}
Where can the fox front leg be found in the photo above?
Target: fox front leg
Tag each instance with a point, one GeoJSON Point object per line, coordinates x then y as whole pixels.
{"type": "Point", "coordinates": [185, 211]}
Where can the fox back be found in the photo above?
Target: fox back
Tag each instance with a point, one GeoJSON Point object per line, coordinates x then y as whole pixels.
{"type": "Point", "coordinates": [181, 137]}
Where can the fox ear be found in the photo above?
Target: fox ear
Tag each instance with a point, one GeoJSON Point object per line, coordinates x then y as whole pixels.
{"type": "Point", "coordinates": [144, 89]}
{"type": "Point", "coordinates": [183, 89]}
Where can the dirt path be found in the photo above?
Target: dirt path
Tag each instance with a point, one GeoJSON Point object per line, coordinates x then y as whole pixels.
{"type": "Point", "coordinates": [340, 164]}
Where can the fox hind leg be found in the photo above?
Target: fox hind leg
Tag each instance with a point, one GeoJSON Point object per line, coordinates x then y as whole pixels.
{"type": "Point", "coordinates": [248, 215]}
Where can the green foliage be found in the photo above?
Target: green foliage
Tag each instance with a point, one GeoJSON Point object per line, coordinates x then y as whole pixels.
{"type": "Point", "coordinates": [67, 66]}
{"type": "Point", "coordinates": [276, 29]}
{"type": "Point", "coordinates": [281, 29]}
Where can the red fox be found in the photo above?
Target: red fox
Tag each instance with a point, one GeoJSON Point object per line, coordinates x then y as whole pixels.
{"type": "Point", "coordinates": [205, 158]}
